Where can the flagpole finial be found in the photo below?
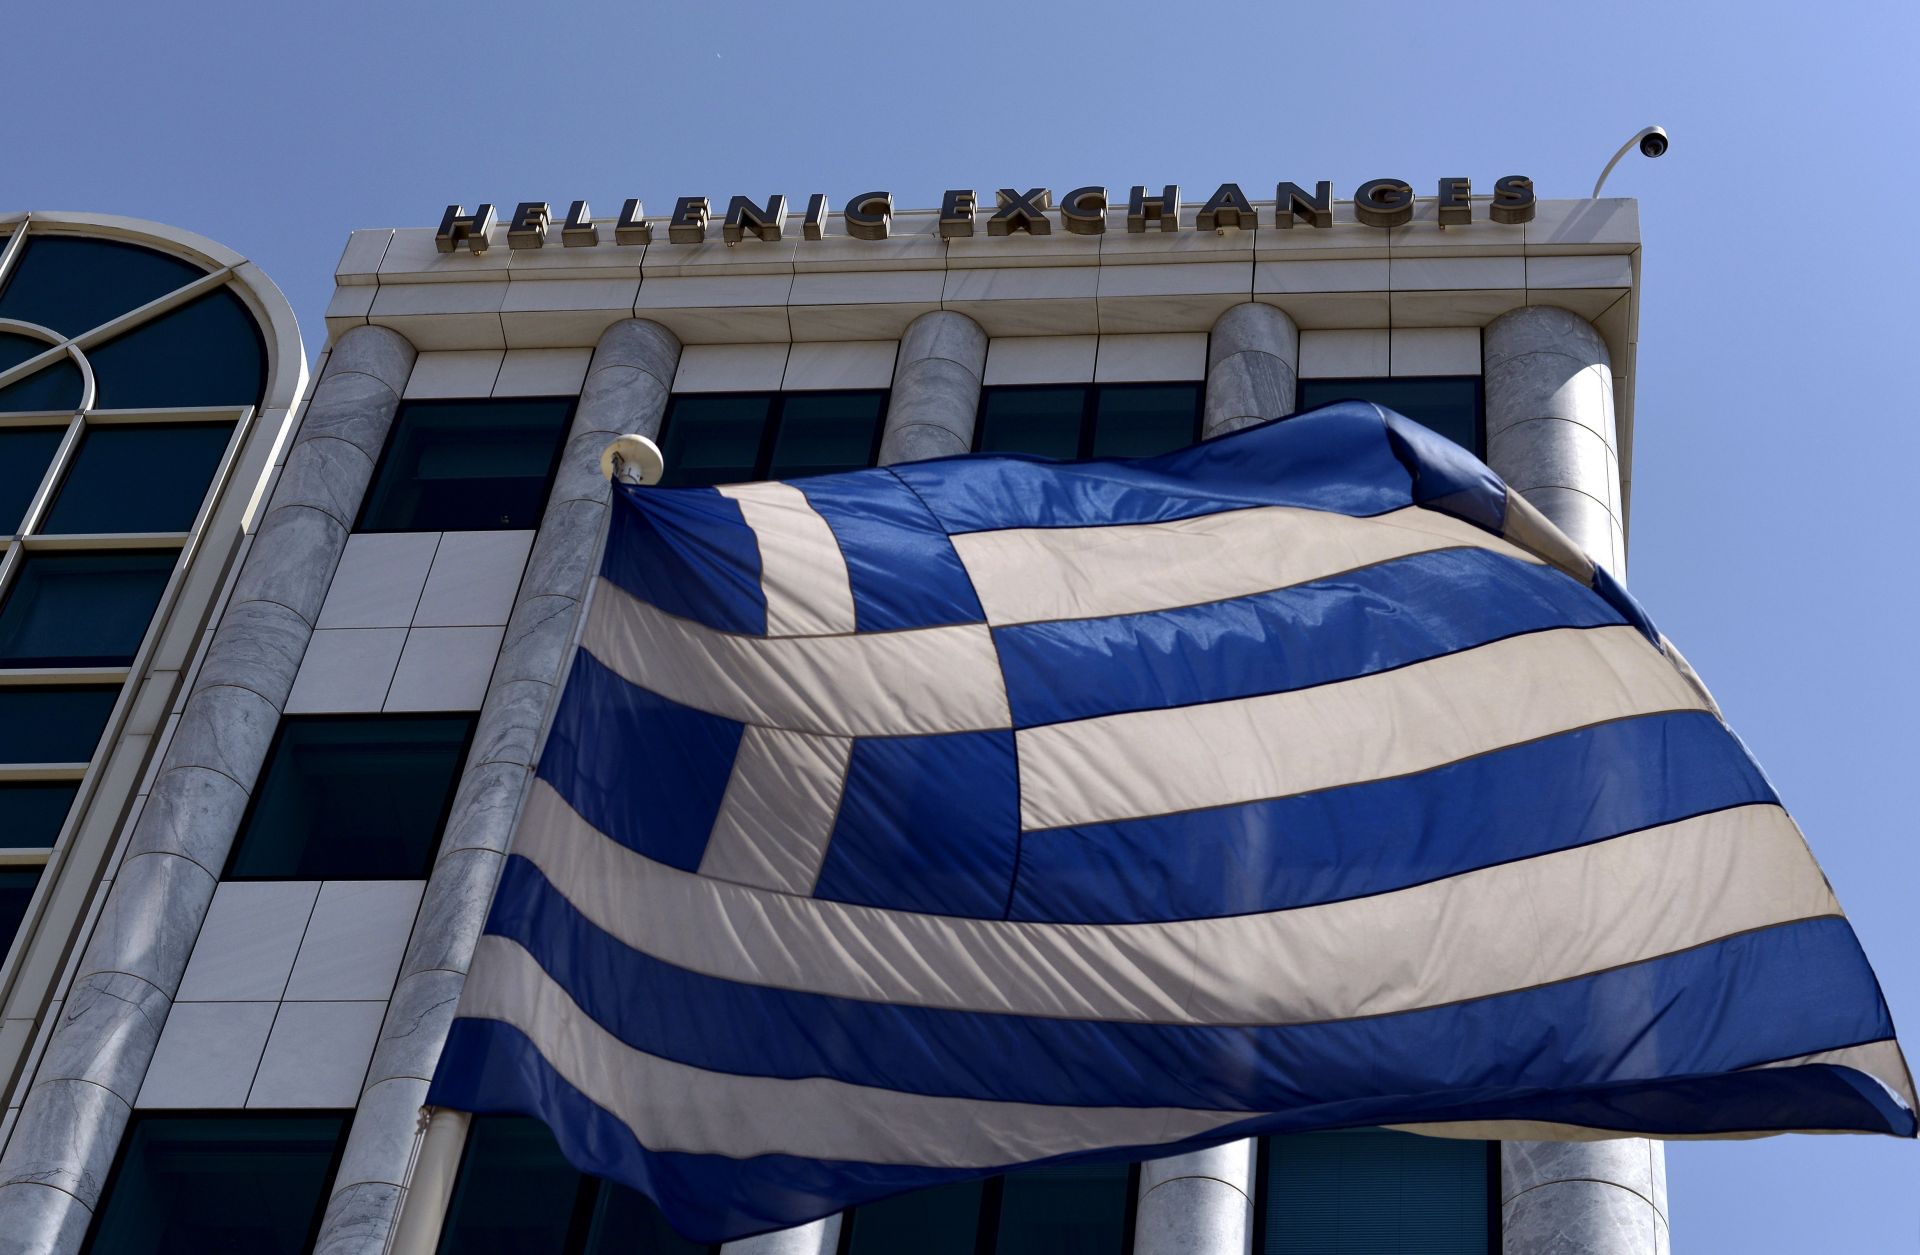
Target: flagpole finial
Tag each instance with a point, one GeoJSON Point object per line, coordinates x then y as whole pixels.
{"type": "Point", "coordinates": [633, 459]}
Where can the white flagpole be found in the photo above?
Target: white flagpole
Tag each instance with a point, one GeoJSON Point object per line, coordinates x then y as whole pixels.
{"type": "Point", "coordinates": [631, 459]}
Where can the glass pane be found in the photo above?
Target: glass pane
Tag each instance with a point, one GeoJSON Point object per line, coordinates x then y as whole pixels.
{"type": "Point", "coordinates": [515, 1195]}
{"type": "Point", "coordinates": [822, 432]}
{"type": "Point", "coordinates": [1374, 1192]}
{"type": "Point", "coordinates": [460, 466]}
{"type": "Point", "coordinates": [55, 387]}
{"type": "Point", "coordinates": [714, 439]}
{"type": "Point", "coordinates": [1140, 420]}
{"type": "Point", "coordinates": [16, 890]}
{"type": "Point", "coordinates": [81, 609]}
{"type": "Point", "coordinates": [1072, 1209]}
{"type": "Point", "coordinates": [941, 1221]}
{"type": "Point", "coordinates": [207, 352]}
{"type": "Point", "coordinates": [31, 814]}
{"type": "Point", "coordinates": [137, 479]}
{"type": "Point", "coordinates": [1044, 421]}
{"type": "Point", "coordinates": [1449, 405]}
{"type": "Point", "coordinates": [352, 799]}
{"type": "Point", "coordinates": [218, 1185]}
{"type": "Point", "coordinates": [625, 1222]}
{"type": "Point", "coordinates": [71, 284]}
{"type": "Point", "coordinates": [52, 724]}
{"type": "Point", "coordinates": [25, 454]}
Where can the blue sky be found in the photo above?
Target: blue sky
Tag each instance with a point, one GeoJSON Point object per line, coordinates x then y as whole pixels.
{"type": "Point", "coordinates": [1777, 429]}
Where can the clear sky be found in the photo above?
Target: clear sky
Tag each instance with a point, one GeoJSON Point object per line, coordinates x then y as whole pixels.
{"type": "Point", "coordinates": [1777, 431]}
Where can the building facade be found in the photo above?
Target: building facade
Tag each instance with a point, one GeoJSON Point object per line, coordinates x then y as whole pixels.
{"type": "Point", "coordinates": [234, 984]}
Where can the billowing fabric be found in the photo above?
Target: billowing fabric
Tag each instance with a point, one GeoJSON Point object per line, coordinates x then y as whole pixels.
{"type": "Point", "coordinates": [907, 825]}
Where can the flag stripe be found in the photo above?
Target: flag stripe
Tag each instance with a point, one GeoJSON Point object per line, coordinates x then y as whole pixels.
{"type": "Point", "coordinates": [779, 810]}
{"type": "Point", "coordinates": [902, 567]}
{"type": "Point", "coordinates": [1588, 909]}
{"type": "Point", "coordinates": [1530, 799]}
{"type": "Point", "coordinates": [1785, 1002]}
{"type": "Point", "coordinates": [1360, 622]}
{"type": "Point", "coordinates": [802, 574]}
{"type": "Point", "coordinates": [691, 554]}
{"type": "Point", "coordinates": [911, 683]}
{"type": "Point", "coordinates": [1040, 574]}
{"type": "Point", "coordinates": [1158, 762]}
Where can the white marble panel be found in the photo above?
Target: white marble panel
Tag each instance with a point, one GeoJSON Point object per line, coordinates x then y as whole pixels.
{"type": "Point", "coordinates": [542, 372]}
{"type": "Point", "coordinates": [1613, 270]}
{"type": "Point", "coordinates": [379, 579]}
{"type": "Point", "coordinates": [347, 308]}
{"type": "Point", "coordinates": [1608, 225]}
{"type": "Point", "coordinates": [247, 945]}
{"type": "Point", "coordinates": [730, 368]}
{"type": "Point", "coordinates": [346, 669]}
{"type": "Point", "coordinates": [1330, 311]}
{"type": "Point", "coordinates": [317, 1055]}
{"type": "Point", "coordinates": [444, 668]}
{"type": "Point", "coordinates": [1468, 308]}
{"type": "Point", "coordinates": [473, 580]}
{"type": "Point", "coordinates": [442, 316]}
{"type": "Point", "coordinates": [860, 305]}
{"type": "Point", "coordinates": [353, 943]}
{"type": "Point", "coordinates": [359, 264]}
{"type": "Point", "coordinates": [719, 309]}
{"type": "Point", "coordinates": [1151, 358]}
{"type": "Point", "coordinates": [1347, 237]}
{"type": "Point", "coordinates": [1340, 275]}
{"type": "Point", "coordinates": [1121, 247]}
{"type": "Point", "coordinates": [1440, 274]}
{"type": "Point", "coordinates": [207, 1054]}
{"type": "Point", "coordinates": [558, 313]}
{"type": "Point", "coordinates": [844, 364]}
{"type": "Point", "coordinates": [912, 243]}
{"type": "Point", "coordinates": [1346, 354]}
{"type": "Point", "coordinates": [459, 373]}
{"type": "Point", "coordinates": [1435, 351]}
{"type": "Point", "coordinates": [412, 257]}
{"type": "Point", "coordinates": [1041, 359]}
{"type": "Point", "coordinates": [1027, 300]}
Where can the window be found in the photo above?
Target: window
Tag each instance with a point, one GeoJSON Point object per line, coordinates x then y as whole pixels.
{"type": "Point", "coordinates": [81, 609]}
{"type": "Point", "coordinates": [732, 438]}
{"type": "Point", "coordinates": [1064, 1209]}
{"type": "Point", "coordinates": [206, 352]}
{"type": "Point", "coordinates": [1376, 1192]}
{"type": "Point", "coordinates": [352, 798]}
{"type": "Point", "coordinates": [137, 478]}
{"type": "Point", "coordinates": [16, 890]}
{"type": "Point", "coordinates": [1112, 420]}
{"type": "Point", "coordinates": [1450, 404]}
{"type": "Point", "coordinates": [219, 1185]}
{"type": "Point", "coordinates": [31, 814]}
{"type": "Point", "coordinates": [25, 454]}
{"type": "Point", "coordinates": [516, 1195]}
{"type": "Point", "coordinates": [467, 466]}
{"type": "Point", "coordinates": [71, 284]}
{"type": "Point", "coordinates": [47, 723]}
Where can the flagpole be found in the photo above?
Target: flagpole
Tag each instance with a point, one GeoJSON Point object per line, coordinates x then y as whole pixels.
{"type": "Point", "coordinates": [630, 459]}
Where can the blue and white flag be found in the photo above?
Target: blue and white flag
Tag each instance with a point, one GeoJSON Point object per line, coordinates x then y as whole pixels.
{"type": "Point", "coordinates": [907, 825]}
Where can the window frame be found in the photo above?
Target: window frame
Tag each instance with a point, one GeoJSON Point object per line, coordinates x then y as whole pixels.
{"type": "Point", "coordinates": [1479, 398]}
{"type": "Point", "coordinates": [1090, 408]}
{"type": "Point", "coordinates": [394, 431]}
{"type": "Point", "coordinates": [1262, 1152]}
{"type": "Point", "coordinates": [776, 415]}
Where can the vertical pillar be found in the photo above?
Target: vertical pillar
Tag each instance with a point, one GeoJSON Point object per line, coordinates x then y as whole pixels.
{"type": "Point", "coordinates": [1550, 427]}
{"type": "Point", "coordinates": [1197, 1204]}
{"type": "Point", "coordinates": [1253, 368]}
{"type": "Point", "coordinates": [822, 1237]}
{"type": "Point", "coordinates": [1550, 435]}
{"type": "Point", "coordinates": [626, 390]}
{"type": "Point", "coordinates": [936, 388]}
{"type": "Point", "coordinates": [70, 1127]}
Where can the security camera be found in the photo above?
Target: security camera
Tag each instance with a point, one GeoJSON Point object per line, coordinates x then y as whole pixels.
{"type": "Point", "coordinates": [1654, 142]}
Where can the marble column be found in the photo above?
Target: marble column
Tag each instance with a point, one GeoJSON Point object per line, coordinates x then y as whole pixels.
{"type": "Point", "coordinates": [936, 388]}
{"type": "Point", "coordinates": [626, 390]}
{"type": "Point", "coordinates": [57, 1162]}
{"type": "Point", "coordinates": [1550, 435]}
{"type": "Point", "coordinates": [1550, 424]}
{"type": "Point", "coordinates": [1197, 1204]}
{"type": "Point", "coordinates": [822, 1237]}
{"type": "Point", "coordinates": [1253, 368]}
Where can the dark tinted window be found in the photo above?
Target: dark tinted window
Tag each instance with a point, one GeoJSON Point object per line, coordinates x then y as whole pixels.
{"type": "Point", "coordinates": [16, 890]}
{"type": "Point", "coordinates": [25, 454]}
{"type": "Point", "coordinates": [218, 1185]}
{"type": "Point", "coordinates": [1375, 1192]}
{"type": "Point", "coordinates": [176, 462]}
{"type": "Point", "coordinates": [55, 387]}
{"type": "Point", "coordinates": [207, 352]}
{"type": "Point", "coordinates": [31, 814]}
{"type": "Point", "coordinates": [52, 723]}
{"type": "Point", "coordinates": [81, 609]}
{"type": "Point", "coordinates": [1449, 405]}
{"type": "Point", "coordinates": [352, 798]}
{"type": "Point", "coordinates": [1117, 420]}
{"type": "Point", "coordinates": [73, 285]}
{"type": "Point", "coordinates": [733, 438]}
{"type": "Point", "coordinates": [516, 1195]}
{"type": "Point", "coordinates": [1073, 1209]}
{"type": "Point", "coordinates": [457, 466]}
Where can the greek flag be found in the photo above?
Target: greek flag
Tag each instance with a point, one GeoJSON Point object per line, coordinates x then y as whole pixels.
{"type": "Point", "coordinates": [911, 824]}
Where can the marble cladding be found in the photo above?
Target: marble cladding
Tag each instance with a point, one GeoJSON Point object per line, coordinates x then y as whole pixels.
{"type": "Point", "coordinates": [1199, 1203]}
